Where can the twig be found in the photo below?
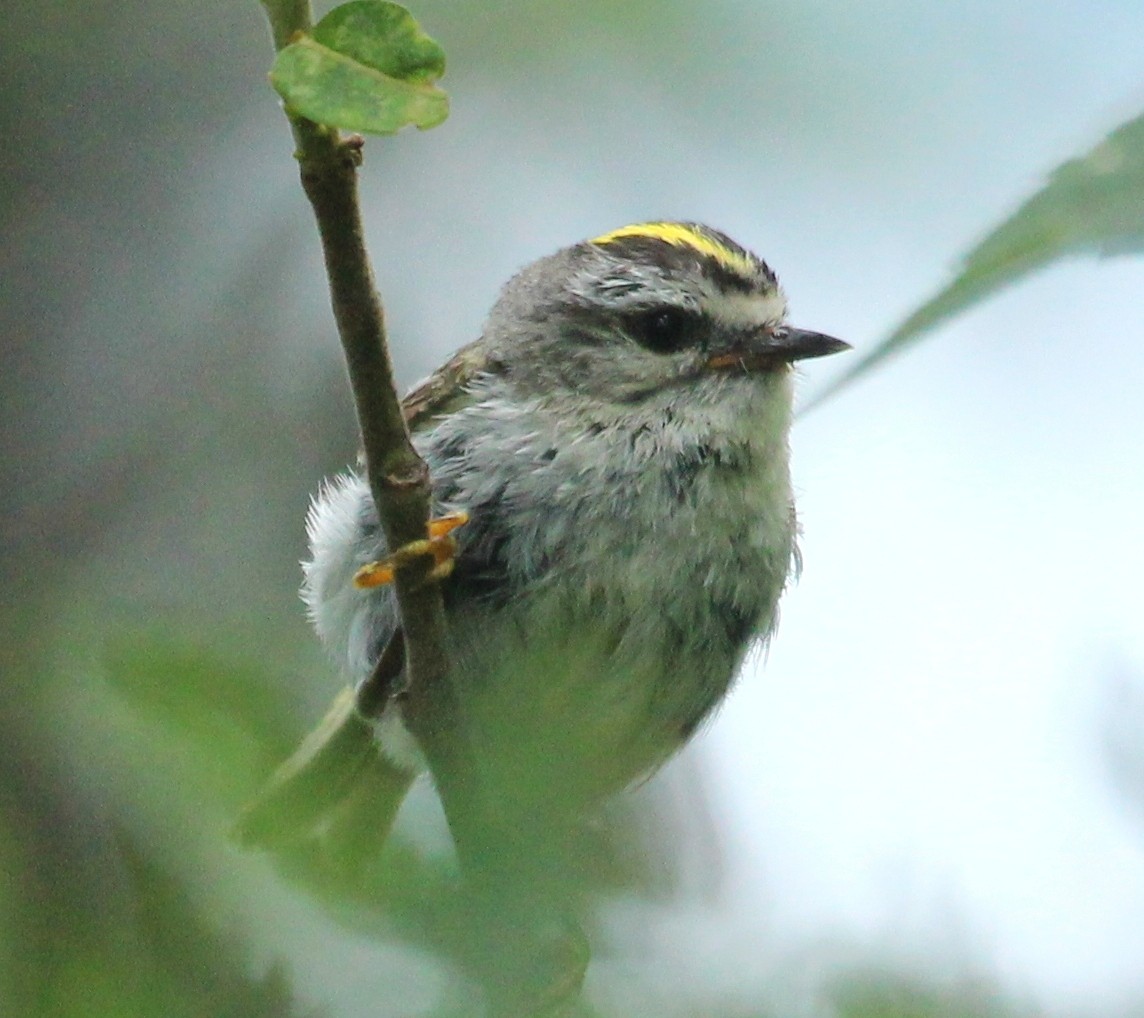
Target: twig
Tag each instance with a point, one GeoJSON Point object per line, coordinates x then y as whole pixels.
{"type": "Point", "coordinates": [398, 477]}
{"type": "Point", "coordinates": [522, 962]}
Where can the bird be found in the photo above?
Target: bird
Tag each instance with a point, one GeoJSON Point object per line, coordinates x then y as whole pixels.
{"type": "Point", "coordinates": [613, 452]}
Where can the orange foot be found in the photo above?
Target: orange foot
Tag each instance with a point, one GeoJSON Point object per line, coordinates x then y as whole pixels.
{"type": "Point", "coordinates": [440, 546]}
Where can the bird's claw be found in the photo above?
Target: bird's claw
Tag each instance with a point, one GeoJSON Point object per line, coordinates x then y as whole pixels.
{"type": "Point", "coordinates": [440, 546]}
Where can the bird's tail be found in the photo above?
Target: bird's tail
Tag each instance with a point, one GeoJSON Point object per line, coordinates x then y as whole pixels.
{"type": "Point", "coordinates": [336, 790]}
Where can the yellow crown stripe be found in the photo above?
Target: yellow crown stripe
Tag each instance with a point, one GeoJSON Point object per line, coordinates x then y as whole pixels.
{"type": "Point", "coordinates": [684, 236]}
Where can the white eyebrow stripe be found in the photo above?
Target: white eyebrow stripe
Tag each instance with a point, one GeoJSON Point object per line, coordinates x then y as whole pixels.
{"type": "Point", "coordinates": [746, 310]}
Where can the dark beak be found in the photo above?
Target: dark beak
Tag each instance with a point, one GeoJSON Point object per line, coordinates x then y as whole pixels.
{"type": "Point", "coordinates": [772, 347]}
{"type": "Point", "coordinates": [800, 345]}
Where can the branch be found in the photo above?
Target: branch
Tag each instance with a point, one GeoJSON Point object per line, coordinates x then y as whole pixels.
{"type": "Point", "coordinates": [398, 477]}
{"type": "Point", "coordinates": [520, 956]}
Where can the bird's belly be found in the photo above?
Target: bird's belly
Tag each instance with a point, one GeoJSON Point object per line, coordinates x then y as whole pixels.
{"type": "Point", "coordinates": [562, 712]}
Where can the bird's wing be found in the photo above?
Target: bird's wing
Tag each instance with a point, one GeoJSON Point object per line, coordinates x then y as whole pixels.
{"type": "Point", "coordinates": [446, 390]}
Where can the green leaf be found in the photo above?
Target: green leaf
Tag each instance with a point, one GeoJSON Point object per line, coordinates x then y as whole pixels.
{"type": "Point", "coordinates": [1094, 204]}
{"type": "Point", "coordinates": [383, 36]}
{"type": "Point", "coordinates": [366, 67]}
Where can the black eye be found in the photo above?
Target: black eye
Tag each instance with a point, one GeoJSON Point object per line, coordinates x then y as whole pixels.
{"type": "Point", "coordinates": [664, 330]}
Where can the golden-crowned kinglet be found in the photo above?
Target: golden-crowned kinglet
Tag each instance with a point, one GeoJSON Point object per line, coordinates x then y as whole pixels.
{"type": "Point", "coordinates": [618, 436]}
